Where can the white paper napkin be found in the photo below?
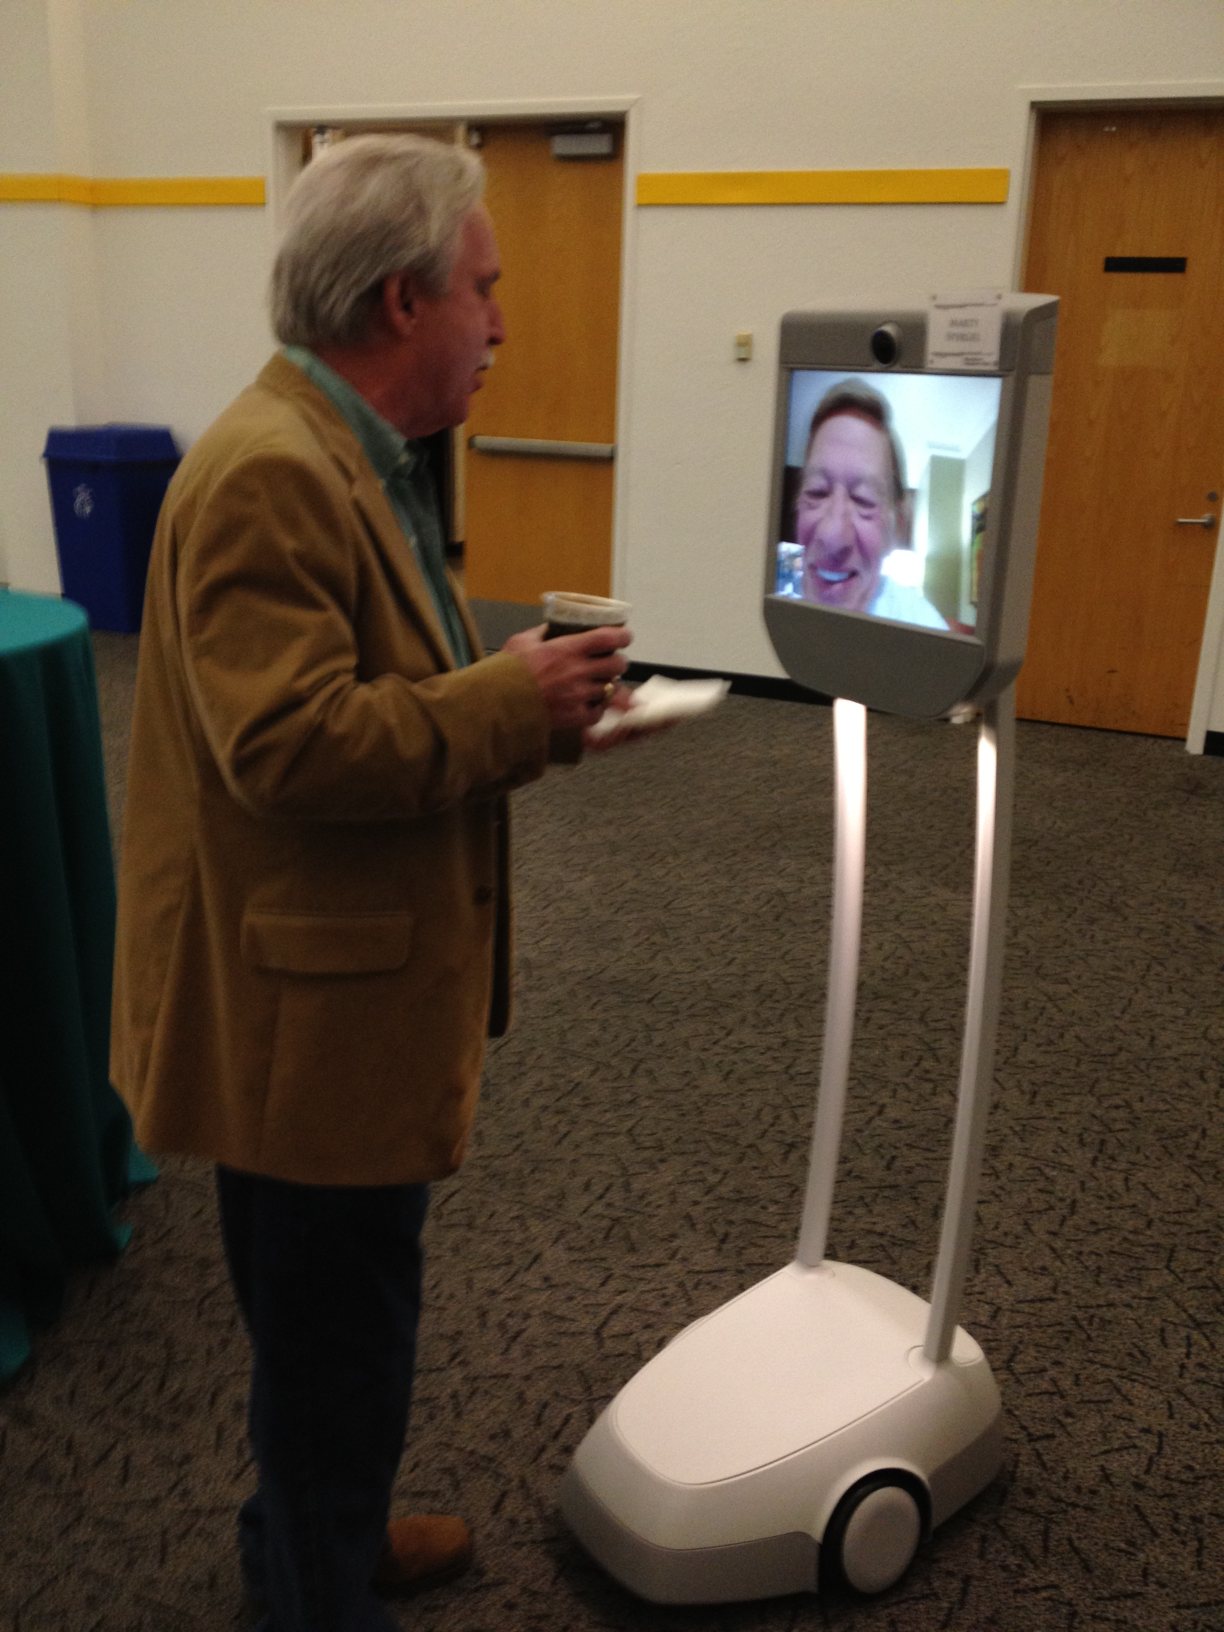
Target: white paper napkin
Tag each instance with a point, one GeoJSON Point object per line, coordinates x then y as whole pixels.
{"type": "Point", "coordinates": [660, 701]}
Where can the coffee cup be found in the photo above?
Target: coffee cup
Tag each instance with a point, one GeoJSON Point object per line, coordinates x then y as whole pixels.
{"type": "Point", "coordinates": [568, 613]}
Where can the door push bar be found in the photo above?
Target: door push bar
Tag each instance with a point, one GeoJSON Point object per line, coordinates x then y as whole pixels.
{"type": "Point", "coordinates": [530, 447]}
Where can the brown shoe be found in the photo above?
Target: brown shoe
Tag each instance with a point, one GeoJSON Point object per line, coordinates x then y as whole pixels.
{"type": "Point", "coordinates": [423, 1550]}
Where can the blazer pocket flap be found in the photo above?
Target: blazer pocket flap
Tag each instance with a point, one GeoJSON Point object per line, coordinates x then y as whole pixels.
{"type": "Point", "coordinates": [320, 943]}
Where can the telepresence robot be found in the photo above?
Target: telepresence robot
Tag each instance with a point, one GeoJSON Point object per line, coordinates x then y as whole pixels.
{"type": "Point", "coordinates": [815, 1428]}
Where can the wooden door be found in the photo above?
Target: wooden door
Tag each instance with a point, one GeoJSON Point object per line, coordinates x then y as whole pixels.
{"type": "Point", "coordinates": [532, 523]}
{"type": "Point", "coordinates": [1128, 230]}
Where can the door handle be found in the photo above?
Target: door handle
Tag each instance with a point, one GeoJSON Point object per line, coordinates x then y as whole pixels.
{"type": "Point", "coordinates": [1196, 521]}
{"type": "Point", "coordinates": [530, 447]}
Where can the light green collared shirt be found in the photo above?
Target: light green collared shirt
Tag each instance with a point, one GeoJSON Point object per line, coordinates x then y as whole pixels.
{"type": "Point", "coordinates": [402, 469]}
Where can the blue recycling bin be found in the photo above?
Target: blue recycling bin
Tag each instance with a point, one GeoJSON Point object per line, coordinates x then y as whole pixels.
{"type": "Point", "coordinates": [107, 483]}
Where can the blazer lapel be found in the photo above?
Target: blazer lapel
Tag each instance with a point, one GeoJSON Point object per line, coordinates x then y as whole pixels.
{"type": "Point", "coordinates": [475, 642]}
{"type": "Point", "coordinates": [404, 577]}
{"type": "Point", "coordinates": [400, 560]}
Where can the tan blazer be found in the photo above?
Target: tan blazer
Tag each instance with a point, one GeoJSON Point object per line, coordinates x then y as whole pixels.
{"type": "Point", "coordinates": [313, 867]}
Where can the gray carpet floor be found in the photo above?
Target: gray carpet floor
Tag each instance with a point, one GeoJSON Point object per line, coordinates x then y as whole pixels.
{"type": "Point", "coordinates": [640, 1157]}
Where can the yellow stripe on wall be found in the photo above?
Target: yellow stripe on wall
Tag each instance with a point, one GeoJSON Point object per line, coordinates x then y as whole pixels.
{"type": "Point", "coordinates": [978, 186]}
{"type": "Point", "coordinates": [824, 187]}
{"type": "Point", "coordinates": [151, 190]}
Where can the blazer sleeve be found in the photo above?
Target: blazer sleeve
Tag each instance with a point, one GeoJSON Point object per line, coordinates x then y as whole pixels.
{"type": "Point", "coordinates": [307, 711]}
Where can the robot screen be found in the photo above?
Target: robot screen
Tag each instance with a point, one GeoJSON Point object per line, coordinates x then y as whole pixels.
{"type": "Point", "coordinates": [885, 494]}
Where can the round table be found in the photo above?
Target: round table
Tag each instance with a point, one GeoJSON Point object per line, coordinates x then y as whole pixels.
{"type": "Point", "coordinates": [66, 1150]}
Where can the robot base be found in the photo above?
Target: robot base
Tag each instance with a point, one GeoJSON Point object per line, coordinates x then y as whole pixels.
{"type": "Point", "coordinates": [795, 1436]}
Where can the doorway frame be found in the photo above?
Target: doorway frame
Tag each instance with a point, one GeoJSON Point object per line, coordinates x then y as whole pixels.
{"type": "Point", "coordinates": [285, 130]}
{"type": "Point", "coordinates": [1179, 95]}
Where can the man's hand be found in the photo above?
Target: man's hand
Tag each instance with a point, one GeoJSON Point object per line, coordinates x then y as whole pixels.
{"type": "Point", "coordinates": [576, 674]}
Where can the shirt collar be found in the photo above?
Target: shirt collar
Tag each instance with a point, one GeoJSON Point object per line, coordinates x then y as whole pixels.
{"type": "Point", "coordinates": [391, 454]}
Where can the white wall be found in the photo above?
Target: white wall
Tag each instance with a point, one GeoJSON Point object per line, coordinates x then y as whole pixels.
{"type": "Point", "coordinates": [174, 88]}
{"type": "Point", "coordinates": [43, 250]}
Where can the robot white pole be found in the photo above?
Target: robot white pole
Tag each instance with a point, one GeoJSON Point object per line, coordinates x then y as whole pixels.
{"type": "Point", "coordinates": [995, 763]}
{"type": "Point", "coordinates": [995, 776]}
{"type": "Point", "coordinates": [850, 758]}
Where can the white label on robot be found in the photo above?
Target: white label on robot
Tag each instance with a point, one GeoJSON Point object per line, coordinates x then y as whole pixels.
{"type": "Point", "coordinates": [964, 330]}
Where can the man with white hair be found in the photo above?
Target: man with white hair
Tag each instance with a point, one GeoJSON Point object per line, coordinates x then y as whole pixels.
{"type": "Point", "coordinates": [313, 937]}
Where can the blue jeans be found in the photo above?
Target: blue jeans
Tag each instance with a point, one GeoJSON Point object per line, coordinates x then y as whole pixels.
{"type": "Point", "coordinates": [329, 1282]}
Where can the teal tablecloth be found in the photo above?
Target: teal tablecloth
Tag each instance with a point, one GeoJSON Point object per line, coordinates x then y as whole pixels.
{"type": "Point", "coordinates": [66, 1150]}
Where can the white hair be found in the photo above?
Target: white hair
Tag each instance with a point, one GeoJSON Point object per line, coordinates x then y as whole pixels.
{"type": "Point", "coordinates": [366, 208]}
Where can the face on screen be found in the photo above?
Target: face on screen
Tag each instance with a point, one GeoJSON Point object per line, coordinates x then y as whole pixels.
{"type": "Point", "coordinates": [886, 494]}
{"type": "Point", "coordinates": [846, 512]}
